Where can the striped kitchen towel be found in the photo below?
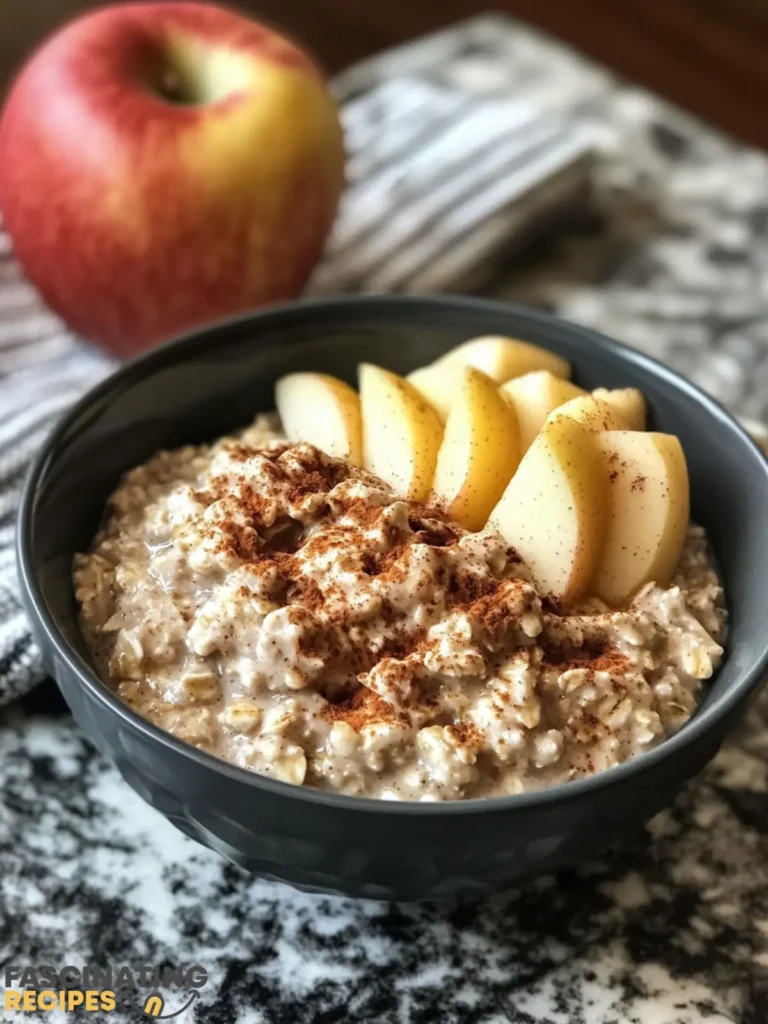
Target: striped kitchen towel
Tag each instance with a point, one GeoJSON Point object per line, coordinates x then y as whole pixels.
{"type": "Point", "coordinates": [445, 178]}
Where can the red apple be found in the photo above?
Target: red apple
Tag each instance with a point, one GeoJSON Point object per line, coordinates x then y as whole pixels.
{"type": "Point", "coordinates": [166, 164]}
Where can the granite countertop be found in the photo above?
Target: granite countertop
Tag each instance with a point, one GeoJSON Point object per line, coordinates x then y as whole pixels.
{"type": "Point", "coordinates": [670, 929]}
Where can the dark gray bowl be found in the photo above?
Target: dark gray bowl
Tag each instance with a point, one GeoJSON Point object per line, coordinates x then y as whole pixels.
{"type": "Point", "coordinates": [199, 387]}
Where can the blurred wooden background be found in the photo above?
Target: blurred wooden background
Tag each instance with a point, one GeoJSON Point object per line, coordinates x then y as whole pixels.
{"type": "Point", "coordinates": [710, 56]}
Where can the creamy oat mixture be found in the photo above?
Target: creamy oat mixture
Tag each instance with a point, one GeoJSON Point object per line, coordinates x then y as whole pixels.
{"type": "Point", "coordinates": [287, 612]}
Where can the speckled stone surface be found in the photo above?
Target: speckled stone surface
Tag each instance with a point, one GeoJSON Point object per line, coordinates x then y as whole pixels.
{"type": "Point", "coordinates": [672, 928]}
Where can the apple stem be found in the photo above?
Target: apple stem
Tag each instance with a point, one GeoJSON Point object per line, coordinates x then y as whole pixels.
{"type": "Point", "coordinates": [172, 87]}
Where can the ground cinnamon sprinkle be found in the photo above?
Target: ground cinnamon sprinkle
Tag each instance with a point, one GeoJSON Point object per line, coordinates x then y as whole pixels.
{"type": "Point", "coordinates": [386, 563]}
{"type": "Point", "coordinates": [431, 528]}
{"type": "Point", "coordinates": [244, 541]}
{"type": "Point", "coordinates": [363, 708]}
{"type": "Point", "coordinates": [464, 589]}
{"type": "Point", "coordinates": [487, 601]}
{"type": "Point", "coordinates": [285, 547]}
{"type": "Point", "coordinates": [466, 734]}
{"type": "Point", "coordinates": [401, 644]}
{"type": "Point", "coordinates": [313, 483]}
{"type": "Point", "coordinates": [239, 452]}
{"type": "Point", "coordinates": [492, 610]}
{"type": "Point", "coordinates": [345, 537]}
{"type": "Point", "coordinates": [606, 659]}
{"type": "Point", "coordinates": [360, 511]}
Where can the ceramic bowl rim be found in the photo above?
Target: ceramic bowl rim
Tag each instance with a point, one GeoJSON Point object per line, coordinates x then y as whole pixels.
{"type": "Point", "coordinates": [702, 722]}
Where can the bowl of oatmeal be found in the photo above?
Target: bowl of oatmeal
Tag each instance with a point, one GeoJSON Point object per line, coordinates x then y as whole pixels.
{"type": "Point", "coordinates": [335, 682]}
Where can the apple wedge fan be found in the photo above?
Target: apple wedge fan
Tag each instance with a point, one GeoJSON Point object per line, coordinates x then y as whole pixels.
{"type": "Point", "coordinates": [495, 433]}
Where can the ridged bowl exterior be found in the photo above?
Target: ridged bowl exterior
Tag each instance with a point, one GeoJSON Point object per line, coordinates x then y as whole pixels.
{"type": "Point", "coordinates": [195, 389]}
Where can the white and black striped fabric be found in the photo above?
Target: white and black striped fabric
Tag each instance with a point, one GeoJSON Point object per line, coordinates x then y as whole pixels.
{"type": "Point", "coordinates": [43, 369]}
{"type": "Point", "coordinates": [462, 147]}
{"type": "Point", "coordinates": [440, 180]}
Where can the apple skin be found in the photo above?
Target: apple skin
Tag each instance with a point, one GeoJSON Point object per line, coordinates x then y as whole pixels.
{"type": "Point", "coordinates": [137, 216]}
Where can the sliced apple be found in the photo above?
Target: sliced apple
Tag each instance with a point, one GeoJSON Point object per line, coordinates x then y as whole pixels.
{"type": "Point", "coordinates": [535, 395]}
{"type": "Point", "coordinates": [504, 358]}
{"type": "Point", "coordinates": [437, 384]}
{"type": "Point", "coordinates": [629, 403]}
{"type": "Point", "coordinates": [553, 509]}
{"type": "Point", "coordinates": [401, 432]}
{"type": "Point", "coordinates": [479, 453]}
{"type": "Point", "coordinates": [590, 412]}
{"type": "Point", "coordinates": [648, 510]}
{"type": "Point", "coordinates": [324, 410]}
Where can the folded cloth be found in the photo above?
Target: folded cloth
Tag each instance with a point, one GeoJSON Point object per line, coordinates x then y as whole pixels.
{"type": "Point", "coordinates": [441, 181]}
{"type": "Point", "coordinates": [461, 146]}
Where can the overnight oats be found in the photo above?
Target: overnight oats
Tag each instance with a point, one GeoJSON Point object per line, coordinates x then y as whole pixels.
{"type": "Point", "coordinates": [300, 617]}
